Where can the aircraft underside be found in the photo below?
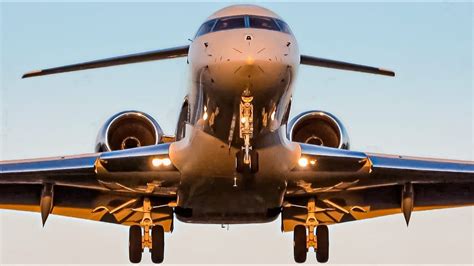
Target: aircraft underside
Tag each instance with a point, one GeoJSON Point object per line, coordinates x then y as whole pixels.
{"type": "Point", "coordinates": [216, 192]}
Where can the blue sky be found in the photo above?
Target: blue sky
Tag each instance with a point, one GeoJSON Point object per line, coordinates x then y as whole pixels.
{"type": "Point", "coordinates": [426, 110]}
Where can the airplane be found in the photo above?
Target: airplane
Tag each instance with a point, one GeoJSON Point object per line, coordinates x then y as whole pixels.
{"type": "Point", "coordinates": [235, 157]}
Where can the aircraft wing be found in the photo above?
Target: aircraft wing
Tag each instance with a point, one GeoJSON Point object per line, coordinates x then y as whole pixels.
{"type": "Point", "coordinates": [350, 185]}
{"type": "Point", "coordinates": [100, 186]}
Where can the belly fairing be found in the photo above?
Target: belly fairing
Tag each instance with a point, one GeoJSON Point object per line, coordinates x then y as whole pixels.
{"type": "Point", "coordinates": [213, 192]}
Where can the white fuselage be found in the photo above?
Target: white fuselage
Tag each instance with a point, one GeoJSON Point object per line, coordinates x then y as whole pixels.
{"type": "Point", "coordinates": [225, 66]}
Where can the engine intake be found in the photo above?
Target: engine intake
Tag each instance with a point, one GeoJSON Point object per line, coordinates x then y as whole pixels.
{"type": "Point", "coordinates": [318, 128]}
{"type": "Point", "coordinates": [126, 130]}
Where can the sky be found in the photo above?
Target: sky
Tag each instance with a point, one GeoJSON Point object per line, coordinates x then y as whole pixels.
{"type": "Point", "coordinates": [426, 110]}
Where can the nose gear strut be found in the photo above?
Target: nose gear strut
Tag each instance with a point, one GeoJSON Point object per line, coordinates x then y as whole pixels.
{"type": "Point", "coordinates": [246, 158]}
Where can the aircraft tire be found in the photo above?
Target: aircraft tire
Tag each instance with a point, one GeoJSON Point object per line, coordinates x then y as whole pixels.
{"type": "Point", "coordinates": [299, 243]}
{"type": "Point", "coordinates": [158, 244]}
{"type": "Point", "coordinates": [135, 244]}
{"type": "Point", "coordinates": [322, 238]}
{"type": "Point", "coordinates": [239, 162]}
{"type": "Point", "coordinates": [254, 162]}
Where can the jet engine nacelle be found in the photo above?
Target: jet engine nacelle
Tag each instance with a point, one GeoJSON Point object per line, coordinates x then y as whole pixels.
{"type": "Point", "coordinates": [318, 128]}
{"type": "Point", "coordinates": [126, 130]}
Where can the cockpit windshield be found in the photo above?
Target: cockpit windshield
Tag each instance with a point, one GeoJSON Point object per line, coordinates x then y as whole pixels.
{"type": "Point", "coordinates": [247, 21]}
{"type": "Point", "coordinates": [206, 27]}
{"type": "Point", "coordinates": [263, 23]}
{"type": "Point", "coordinates": [229, 23]}
{"type": "Point", "coordinates": [283, 26]}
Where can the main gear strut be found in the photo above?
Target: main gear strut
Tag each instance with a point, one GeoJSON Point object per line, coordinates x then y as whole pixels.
{"type": "Point", "coordinates": [311, 234]}
{"type": "Point", "coordinates": [155, 241]}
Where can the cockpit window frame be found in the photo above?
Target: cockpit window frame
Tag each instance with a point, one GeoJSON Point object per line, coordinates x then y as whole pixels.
{"type": "Point", "coordinates": [247, 25]}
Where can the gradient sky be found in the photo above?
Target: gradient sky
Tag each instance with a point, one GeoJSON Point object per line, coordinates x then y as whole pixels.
{"type": "Point", "coordinates": [427, 110]}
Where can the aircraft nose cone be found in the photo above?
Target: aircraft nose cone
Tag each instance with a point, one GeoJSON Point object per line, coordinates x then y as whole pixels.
{"type": "Point", "coordinates": [261, 59]}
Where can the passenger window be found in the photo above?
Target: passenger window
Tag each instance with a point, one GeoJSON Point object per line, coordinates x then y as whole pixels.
{"type": "Point", "coordinates": [229, 23]}
{"type": "Point", "coordinates": [283, 26]}
{"type": "Point", "coordinates": [205, 28]}
{"type": "Point", "coordinates": [263, 23]}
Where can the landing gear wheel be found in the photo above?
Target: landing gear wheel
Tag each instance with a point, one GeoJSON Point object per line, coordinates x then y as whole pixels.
{"type": "Point", "coordinates": [241, 167]}
{"type": "Point", "coordinates": [239, 162]}
{"type": "Point", "coordinates": [322, 238]}
{"type": "Point", "coordinates": [158, 244]}
{"type": "Point", "coordinates": [135, 244]}
{"type": "Point", "coordinates": [253, 162]}
{"type": "Point", "coordinates": [299, 243]}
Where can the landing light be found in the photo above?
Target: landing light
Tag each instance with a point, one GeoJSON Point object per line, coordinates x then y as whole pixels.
{"type": "Point", "coordinates": [166, 162]}
{"type": "Point", "coordinates": [157, 162]}
{"type": "Point", "coordinates": [205, 115]}
{"type": "Point", "coordinates": [272, 116]}
{"type": "Point", "coordinates": [303, 162]}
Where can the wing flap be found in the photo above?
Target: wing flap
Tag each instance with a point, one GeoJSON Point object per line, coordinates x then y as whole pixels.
{"type": "Point", "coordinates": [375, 202]}
{"type": "Point", "coordinates": [82, 203]}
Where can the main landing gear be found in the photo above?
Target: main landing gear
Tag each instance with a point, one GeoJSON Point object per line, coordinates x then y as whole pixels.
{"type": "Point", "coordinates": [138, 241]}
{"type": "Point", "coordinates": [311, 234]}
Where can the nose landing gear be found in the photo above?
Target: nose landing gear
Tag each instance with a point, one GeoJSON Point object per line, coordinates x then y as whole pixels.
{"type": "Point", "coordinates": [246, 158]}
{"type": "Point", "coordinates": [311, 234]}
{"type": "Point", "coordinates": [252, 163]}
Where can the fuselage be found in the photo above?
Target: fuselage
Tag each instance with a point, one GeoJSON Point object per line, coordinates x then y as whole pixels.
{"type": "Point", "coordinates": [240, 54]}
